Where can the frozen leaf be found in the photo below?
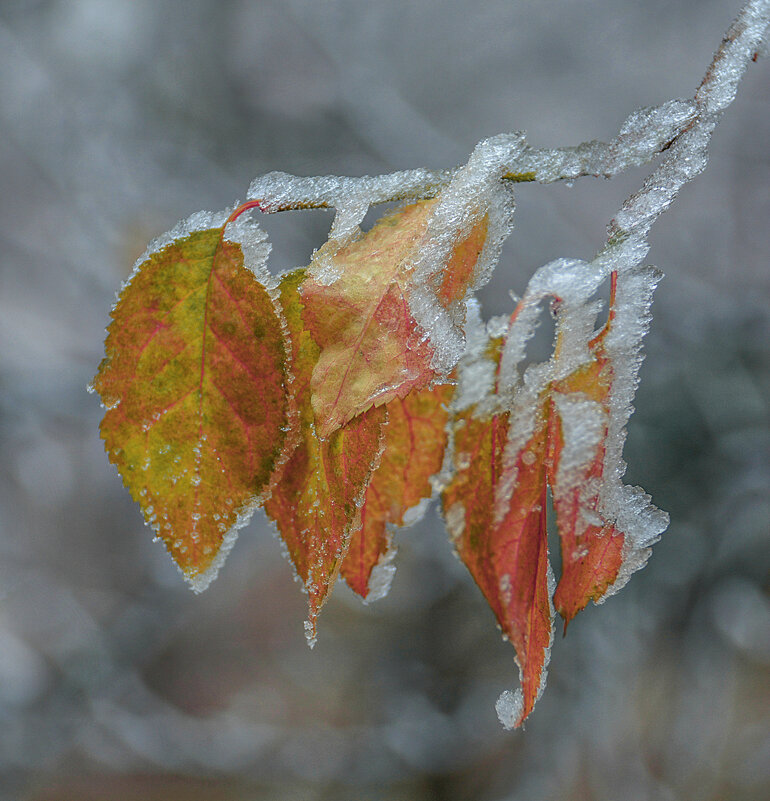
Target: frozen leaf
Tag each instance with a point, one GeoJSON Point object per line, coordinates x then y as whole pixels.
{"type": "Point", "coordinates": [559, 423]}
{"type": "Point", "coordinates": [495, 507]}
{"type": "Point", "coordinates": [415, 439]}
{"type": "Point", "coordinates": [317, 503]}
{"type": "Point", "coordinates": [357, 310]}
{"type": "Point", "coordinates": [605, 528]}
{"type": "Point", "coordinates": [589, 385]}
{"type": "Point", "coordinates": [194, 385]}
{"type": "Point", "coordinates": [591, 548]}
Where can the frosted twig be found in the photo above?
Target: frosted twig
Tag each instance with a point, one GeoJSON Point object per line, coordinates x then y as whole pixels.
{"type": "Point", "coordinates": [644, 134]}
{"type": "Point", "coordinates": [681, 127]}
{"type": "Point", "coordinates": [687, 157]}
{"type": "Point", "coordinates": [280, 191]}
{"type": "Point", "coordinates": [350, 197]}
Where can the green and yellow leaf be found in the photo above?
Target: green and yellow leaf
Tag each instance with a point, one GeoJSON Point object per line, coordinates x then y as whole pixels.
{"type": "Point", "coordinates": [194, 383]}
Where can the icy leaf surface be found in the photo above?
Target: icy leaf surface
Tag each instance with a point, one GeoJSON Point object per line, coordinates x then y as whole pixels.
{"type": "Point", "coordinates": [605, 527]}
{"type": "Point", "coordinates": [560, 423]}
{"type": "Point", "coordinates": [591, 548]}
{"type": "Point", "coordinates": [357, 310]}
{"type": "Point", "coordinates": [466, 229]}
{"type": "Point", "coordinates": [498, 527]}
{"type": "Point", "coordinates": [194, 384]}
{"type": "Point", "coordinates": [316, 506]}
{"type": "Point", "coordinates": [589, 384]}
{"type": "Point", "coordinates": [415, 438]}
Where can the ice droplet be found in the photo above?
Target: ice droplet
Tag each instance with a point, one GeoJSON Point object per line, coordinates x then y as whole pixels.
{"type": "Point", "coordinates": [509, 707]}
{"type": "Point", "coordinates": [310, 634]}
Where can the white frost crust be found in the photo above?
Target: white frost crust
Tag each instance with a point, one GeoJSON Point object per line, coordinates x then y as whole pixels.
{"type": "Point", "coordinates": [475, 190]}
{"type": "Point", "coordinates": [255, 247]}
{"type": "Point", "coordinates": [454, 517]}
{"type": "Point", "coordinates": [629, 508]}
{"type": "Point", "coordinates": [415, 513]}
{"type": "Point", "coordinates": [583, 423]}
{"type": "Point", "coordinates": [381, 577]}
{"type": "Point", "coordinates": [475, 386]}
{"type": "Point", "coordinates": [571, 283]}
{"type": "Point", "coordinates": [476, 375]}
{"type": "Point", "coordinates": [351, 197]}
{"type": "Point", "coordinates": [640, 139]}
{"type": "Point", "coordinates": [510, 705]}
{"type": "Point", "coordinates": [747, 35]}
{"type": "Point", "coordinates": [688, 156]}
{"type": "Point", "coordinates": [201, 582]}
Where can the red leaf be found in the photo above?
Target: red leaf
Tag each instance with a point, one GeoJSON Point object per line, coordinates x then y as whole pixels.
{"type": "Point", "coordinates": [415, 438]}
{"type": "Point", "coordinates": [494, 507]}
{"type": "Point", "coordinates": [194, 385]}
{"type": "Point", "coordinates": [317, 503]}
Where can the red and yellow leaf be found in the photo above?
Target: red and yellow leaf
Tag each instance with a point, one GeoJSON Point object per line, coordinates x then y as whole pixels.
{"type": "Point", "coordinates": [194, 385]}
{"type": "Point", "coordinates": [372, 350]}
{"type": "Point", "coordinates": [495, 509]}
{"type": "Point", "coordinates": [415, 438]}
{"type": "Point", "coordinates": [591, 547]}
{"type": "Point", "coordinates": [317, 504]}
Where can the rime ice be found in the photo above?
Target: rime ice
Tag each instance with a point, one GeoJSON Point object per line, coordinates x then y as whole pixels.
{"type": "Point", "coordinates": [474, 193]}
{"type": "Point", "coordinates": [509, 707]}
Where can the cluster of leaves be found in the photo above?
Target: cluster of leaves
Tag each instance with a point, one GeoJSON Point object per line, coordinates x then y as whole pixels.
{"type": "Point", "coordinates": [316, 394]}
{"type": "Point", "coordinates": [344, 395]}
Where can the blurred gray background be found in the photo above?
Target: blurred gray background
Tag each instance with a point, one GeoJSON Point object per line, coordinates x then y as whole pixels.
{"type": "Point", "coordinates": [117, 118]}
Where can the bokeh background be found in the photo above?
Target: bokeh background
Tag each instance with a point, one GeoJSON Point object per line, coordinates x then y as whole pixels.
{"type": "Point", "coordinates": [117, 118]}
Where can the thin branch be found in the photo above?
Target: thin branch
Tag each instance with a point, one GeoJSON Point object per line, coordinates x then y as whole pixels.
{"type": "Point", "coordinates": [646, 133]}
{"type": "Point", "coordinates": [687, 156]}
{"type": "Point", "coordinates": [679, 127]}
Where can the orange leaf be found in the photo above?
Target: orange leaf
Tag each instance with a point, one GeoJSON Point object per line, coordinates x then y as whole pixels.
{"type": "Point", "coordinates": [494, 507]}
{"type": "Point", "coordinates": [415, 438]}
{"type": "Point", "coordinates": [605, 528]}
{"type": "Point", "coordinates": [316, 505]}
{"type": "Point", "coordinates": [194, 385]}
{"type": "Point", "coordinates": [372, 350]}
{"type": "Point", "coordinates": [591, 547]}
